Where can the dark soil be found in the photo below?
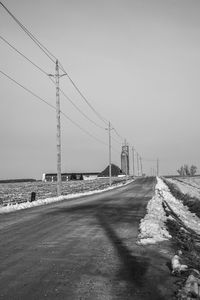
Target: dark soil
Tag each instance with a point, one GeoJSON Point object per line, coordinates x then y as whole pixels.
{"type": "Point", "coordinates": [182, 237]}
{"type": "Point", "coordinates": [187, 243]}
{"type": "Point", "coordinates": [190, 248]}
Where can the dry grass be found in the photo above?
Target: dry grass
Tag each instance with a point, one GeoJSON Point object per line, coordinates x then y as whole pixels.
{"type": "Point", "coordinates": [182, 237]}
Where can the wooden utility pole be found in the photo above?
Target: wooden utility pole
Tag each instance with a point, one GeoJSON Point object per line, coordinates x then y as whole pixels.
{"type": "Point", "coordinates": [58, 132]}
{"type": "Point", "coordinates": [110, 171]}
{"type": "Point", "coordinates": [58, 128]}
{"type": "Point", "coordinates": [138, 164]}
{"type": "Point", "coordinates": [133, 161]}
{"type": "Point", "coordinates": [157, 167]}
{"type": "Point", "coordinates": [141, 165]}
{"type": "Point", "coordinates": [126, 159]}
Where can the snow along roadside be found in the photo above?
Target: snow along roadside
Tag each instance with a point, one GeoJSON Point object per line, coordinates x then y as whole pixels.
{"type": "Point", "coordinates": [152, 227]}
{"type": "Point", "coordinates": [185, 188]}
{"type": "Point", "coordinates": [24, 205]}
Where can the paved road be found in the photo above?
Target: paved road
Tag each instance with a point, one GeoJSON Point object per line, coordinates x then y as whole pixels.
{"type": "Point", "coordinates": [82, 249]}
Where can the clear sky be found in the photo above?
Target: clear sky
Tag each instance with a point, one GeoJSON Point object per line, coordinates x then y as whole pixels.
{"type": "Point", "coordinates": [137, 62]}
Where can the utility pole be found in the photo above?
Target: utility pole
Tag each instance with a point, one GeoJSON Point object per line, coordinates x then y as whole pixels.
{"type": "Point", "coordinates": [141, 165]}
{"type": "Point", "coordinates": [157, 167]}
{"type": "Point", "coordinates": [133, 161]}
{"type": "Point", "coordinates": [110, 171]}
{"type": "Point", "coordinates": [58, 133]}
{"type": "Point", "coordinates": [127, 159]}
{"type": "Point", "coordinates": [138, 164]}
{"type": "Point", "coordinates": [58, 128]}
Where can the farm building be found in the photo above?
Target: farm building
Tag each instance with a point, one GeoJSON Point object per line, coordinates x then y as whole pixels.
{"type": "Point", "coordinates": [51, 177]}
{"type": "Point", "coordinates": [115, 171]}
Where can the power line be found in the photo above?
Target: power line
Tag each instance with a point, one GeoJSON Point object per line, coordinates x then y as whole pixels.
{"type": "Point", "coordinates": [81, 110]}
{"type": "Point", "coordinates": [116, 141]}
{"type": "Point", "coordinates": [26, 89]}
{"type": "Point", "coordinates": [118, 134]}
{"type": "Point", "coordinates": [19, 52]}
{"type": "Point", "coordinates": [44, 72]}
{"type": "Point", "coordinates": [85, 99]}
{"type": "Point", "coordinates": [84, 130]}
{"type": "Point", "coordinates": [69, 99]}
{"type": "Point", "coordinates": [33, 38]}
{"type": "Point", "coordinates": [52, 106]}
{"type": "Point", "coordinates": [52, 58]}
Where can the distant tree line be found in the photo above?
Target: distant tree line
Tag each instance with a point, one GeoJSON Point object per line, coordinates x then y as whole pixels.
{"type": "Point", "coordinates": [186, 170]}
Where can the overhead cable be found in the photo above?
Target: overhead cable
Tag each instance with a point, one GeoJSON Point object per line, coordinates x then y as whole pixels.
{"type": "Point", "coordinates": [115, 140]}
{"type": "Point", "coordinates": [33, 38]}
{"type": "Point", "coordinates": [84, 130]}
{"type": "Point", "coordinates": [85, 99]}
{"type": "Point", "coordinates": [69, 99]}
{"type": "Point", "coordinates": [118, 134]}
{"type": "Point", "coordinates": [19, 52]}
{"type": "Point", "coordinates": [52, 106]}
{"type": "Point", "coordinates": [53, 58]}
{"type": "Point", "coordinates": [44, 72]}
{"type": "Point", "coordinates": [26, 89]}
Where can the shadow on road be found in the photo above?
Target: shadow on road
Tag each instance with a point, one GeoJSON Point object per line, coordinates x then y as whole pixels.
{"type": "Point", "coordinates": [133, 267]}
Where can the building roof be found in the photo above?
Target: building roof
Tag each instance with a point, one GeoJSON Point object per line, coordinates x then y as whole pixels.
{"type": "Point", "coordinates": [115, 171]}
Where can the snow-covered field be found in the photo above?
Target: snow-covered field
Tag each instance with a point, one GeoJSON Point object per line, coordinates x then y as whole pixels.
{"type": "Point", "coordinates": [15, 196]}
{"type": "Point", "coordinates": [188, 185]}
{"type": "Point", "coordinates": [152, 227]}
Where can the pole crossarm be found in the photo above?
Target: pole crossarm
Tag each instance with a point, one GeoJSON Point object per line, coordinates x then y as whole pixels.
{"type": "Point", "coordinates": [52, 75]}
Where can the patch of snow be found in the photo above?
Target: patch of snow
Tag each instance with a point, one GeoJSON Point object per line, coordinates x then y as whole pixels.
{"type": "Point", "coordinates": [152, 226]}
{"type": "Point", "coordinates": [90, 177]}
{"type": "Point", "coordinates": [24, 205]}
{"type": "Point", "coordinates": [176, 265]}
{"type": "Point", "coordinates": [186, 188]}
{"type": "Point", "coordinates": [189, 219]}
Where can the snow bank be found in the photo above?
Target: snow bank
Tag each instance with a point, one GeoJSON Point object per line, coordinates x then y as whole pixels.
{"type": "Point", "coordinates": [189, 188]}
{"type": "Point", "coordinates": [24, 205]}
{"type": "Point", "coordinates": [152, 226]}
{"type": "Point", "coordinates": [189, 219]}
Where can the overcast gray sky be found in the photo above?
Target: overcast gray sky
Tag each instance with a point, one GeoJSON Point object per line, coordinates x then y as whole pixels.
{"type": "Point", "coordinates": [137, 62]}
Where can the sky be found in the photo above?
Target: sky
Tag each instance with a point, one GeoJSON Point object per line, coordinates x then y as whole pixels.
{"type": "Point", "coordinates": [136, 62]}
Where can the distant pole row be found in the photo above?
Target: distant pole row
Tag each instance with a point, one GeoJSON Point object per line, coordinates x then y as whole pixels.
{"type": "Point", "coordinates": [58, 136]}
{"type": "Point", "coordinates": [139, 163]}
{"type": "Point", "coordinates": [58, 139]}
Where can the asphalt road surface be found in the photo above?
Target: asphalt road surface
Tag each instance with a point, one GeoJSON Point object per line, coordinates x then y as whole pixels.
{"type": "Point", "coordinates": [82, 249]}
